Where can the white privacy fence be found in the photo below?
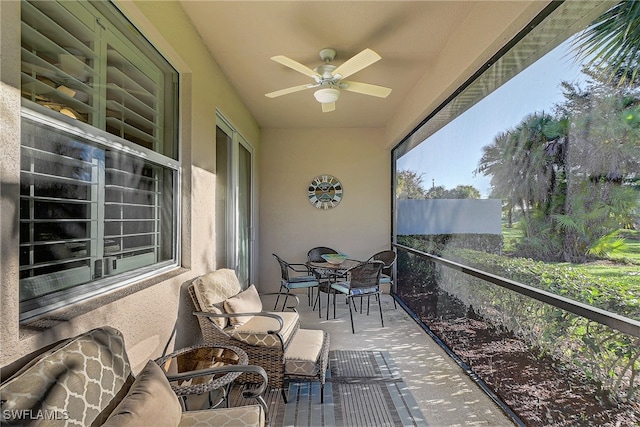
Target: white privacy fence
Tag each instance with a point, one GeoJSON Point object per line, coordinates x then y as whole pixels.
{"type": "Point", "coordinates": [449, 216]}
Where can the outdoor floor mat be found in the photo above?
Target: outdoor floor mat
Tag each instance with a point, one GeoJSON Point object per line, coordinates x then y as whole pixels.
{"type": "Point", "coordinates": [362, 389]}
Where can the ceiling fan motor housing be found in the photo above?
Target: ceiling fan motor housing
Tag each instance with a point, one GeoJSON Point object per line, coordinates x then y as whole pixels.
{"type": "Point", "coordinates": [326, 70]}
{"type": "Point", "coordinates": [327, 54]}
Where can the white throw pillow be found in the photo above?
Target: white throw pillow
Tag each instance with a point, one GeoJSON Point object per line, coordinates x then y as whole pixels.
{"type": "Point", "coordinates": [247, 301]}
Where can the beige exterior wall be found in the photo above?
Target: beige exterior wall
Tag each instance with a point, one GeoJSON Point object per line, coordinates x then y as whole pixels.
{"type": "Point", "coordinates": [359, 226]}
{"type": "Point", "coordinates": [146, 312]}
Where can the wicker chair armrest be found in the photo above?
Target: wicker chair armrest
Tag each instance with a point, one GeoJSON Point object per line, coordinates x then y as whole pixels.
{"type": "Point", "coordinates": [254, 393]}
{"type": "Point", "coordinates": [261, 314]}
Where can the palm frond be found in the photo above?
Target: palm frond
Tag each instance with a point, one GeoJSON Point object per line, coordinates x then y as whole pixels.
{"type": "Point", "coordinates": [611, 45]}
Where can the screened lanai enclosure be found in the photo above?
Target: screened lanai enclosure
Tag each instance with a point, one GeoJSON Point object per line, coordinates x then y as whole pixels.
{"type": "Point", "coordinates": [517, 220]}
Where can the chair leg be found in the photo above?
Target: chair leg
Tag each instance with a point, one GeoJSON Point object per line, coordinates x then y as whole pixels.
{"type": "Point", "coordinates": [350, 301]}
{"type": "Point", "coordinates": [321, 393]}
{"type": "Point", "coordinates": [392, 291]}
{"type": "Point", "coordinates": [319, 304]}
{"type": "Point", "coordinates": [275, 306]}
{"type": "Point", "coordinates": [286, 299]}
{"type": "Point", "coordinates": [284, 394]}
{"type": "Point", "coordinates": [335, 294]}
{"type": "Point", "coordinates": [380, 306]}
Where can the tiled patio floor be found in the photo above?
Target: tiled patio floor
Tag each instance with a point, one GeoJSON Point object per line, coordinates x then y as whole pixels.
{"type": "Point", "coordinates": [445, 394]}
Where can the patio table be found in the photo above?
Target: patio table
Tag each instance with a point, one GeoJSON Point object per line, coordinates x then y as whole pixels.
{"type": "Point", "coordinates": [204, 356]}
{"type": "Point", "coordinates": [332, 272]}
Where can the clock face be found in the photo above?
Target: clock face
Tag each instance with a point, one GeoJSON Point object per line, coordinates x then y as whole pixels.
{"type": "Point", "coordinates": [325, 192]}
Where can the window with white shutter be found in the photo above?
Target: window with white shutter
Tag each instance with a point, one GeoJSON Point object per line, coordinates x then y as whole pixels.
{"type": "Point", "coordinates": [98, 159]}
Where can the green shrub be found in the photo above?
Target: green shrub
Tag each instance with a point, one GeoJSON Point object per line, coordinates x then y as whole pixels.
{"type": "Point", "coordinates": [609, 357]}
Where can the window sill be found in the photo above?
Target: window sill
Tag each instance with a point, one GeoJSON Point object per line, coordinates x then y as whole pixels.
{"type": "Point", "coordinates": [54, 318]}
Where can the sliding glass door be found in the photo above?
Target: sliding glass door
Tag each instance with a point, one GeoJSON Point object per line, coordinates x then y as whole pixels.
{"type": "Point", "coordinates": [234, 202]}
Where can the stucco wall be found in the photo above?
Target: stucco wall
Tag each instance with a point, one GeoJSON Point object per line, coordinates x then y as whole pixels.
{"type": "Point", "coordinates": [359, 226]}
{"type": "Point", "coordinates": [147, 312]}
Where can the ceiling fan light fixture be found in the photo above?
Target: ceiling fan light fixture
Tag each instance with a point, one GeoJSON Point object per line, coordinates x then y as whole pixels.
{"type": "Point", "coordinates": [327, 95]}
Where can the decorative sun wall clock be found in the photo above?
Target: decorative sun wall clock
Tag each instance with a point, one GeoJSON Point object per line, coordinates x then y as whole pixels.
{"type": "Point", "coordinates": [324, 192]}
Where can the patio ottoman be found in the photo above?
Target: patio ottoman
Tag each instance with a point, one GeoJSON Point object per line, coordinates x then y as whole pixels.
{"type": "Point", "coordinates": [306, 359]}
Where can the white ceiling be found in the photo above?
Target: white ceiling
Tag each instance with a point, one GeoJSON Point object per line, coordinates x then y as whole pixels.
{"type": "Point", "coordinates": [410, 37]}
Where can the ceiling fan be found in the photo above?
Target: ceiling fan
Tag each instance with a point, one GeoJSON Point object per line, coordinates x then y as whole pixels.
{"type": "Point", "coordinates": [329, 78]}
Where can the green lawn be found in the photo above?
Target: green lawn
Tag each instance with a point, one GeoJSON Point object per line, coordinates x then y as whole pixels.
{"type": "Point", "coordinates": [510, 235]}
{"type": "Point", "coordinates": [632, 252]}
{"type": "Point", "coordinates": [626, 270]}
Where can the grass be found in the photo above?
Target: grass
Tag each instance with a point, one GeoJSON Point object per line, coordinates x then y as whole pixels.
{"type": "Point", "coordinates": [510, 236]}
{"type": "Point", "coordinates": [624, 268]}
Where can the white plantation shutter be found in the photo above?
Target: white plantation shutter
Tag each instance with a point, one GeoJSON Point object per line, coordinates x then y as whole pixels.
{"type": "Point", "coordinates": [98, 198]}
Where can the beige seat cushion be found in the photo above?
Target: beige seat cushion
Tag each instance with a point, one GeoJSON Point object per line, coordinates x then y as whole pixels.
{"type": "Point", "coordinates": [254, 332]}
{"type": "Point", "coordinates": [250, 415]}
{"type": "Point", "coordinates": [302, 354]}
{"type": "Point", "coordinates": [150, 401]}
{"type": "Point", "coordinates": [212, 289]}
{"type": "Point", "coordinates": [247, 301]}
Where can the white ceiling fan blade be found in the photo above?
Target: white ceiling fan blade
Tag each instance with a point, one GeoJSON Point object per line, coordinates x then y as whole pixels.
{"type": "Point", "coordinates": [328, 106]}
{"type": "Point", "coordinates": [357, 63]}
{"type": "Point", "coordinates": [287, 91]}
{"type": "Point", "coordinates": [366, 89]}
{"type": "Point", "coordinates": [295, 65]}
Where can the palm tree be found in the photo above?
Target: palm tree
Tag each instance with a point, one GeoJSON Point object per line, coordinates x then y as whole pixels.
{"type": "Point", "coordinates": [612, 43]}
{"type": "Point", "coordinates": [525, 164]}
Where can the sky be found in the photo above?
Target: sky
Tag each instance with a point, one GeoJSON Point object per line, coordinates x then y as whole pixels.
{"type": "Point", "coordinates": [450, 156]}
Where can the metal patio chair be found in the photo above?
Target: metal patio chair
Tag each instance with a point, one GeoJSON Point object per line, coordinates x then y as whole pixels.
{"type": "Point", "coordinates": [301, 279]}
{"type": "Point", "coordinates": [364, 281]}
{"type": "Point", "coordinates": [389, 258]}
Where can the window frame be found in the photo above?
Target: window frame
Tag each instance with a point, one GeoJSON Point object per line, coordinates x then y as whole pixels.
{"type": "Point", "coordinates": [42, 116]}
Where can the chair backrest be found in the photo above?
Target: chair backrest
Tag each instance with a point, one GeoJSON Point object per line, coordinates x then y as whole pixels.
{"type": "Point", "coordinates": [388, 257]}
{"type": "Point", "coordinates": [210, 290]}
{"type": "Point", "coordinates": [365, 275]}
{"type": "Point", "coordinates": [315, 254]}
{"type": "Point", "coordinates": [284, 268]}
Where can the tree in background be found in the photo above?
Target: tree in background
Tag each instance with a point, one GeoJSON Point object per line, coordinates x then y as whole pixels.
{"type": "Point", "coordinates": [526, 165]}
{"type": "Point", "coordinates": [459, 192]}
{"type": "Point", "coordinates": [409, 185]}
{"type": "Point", "coordinates": [572, 175]}
{"type": "Point", "coordinates": [602, 192]}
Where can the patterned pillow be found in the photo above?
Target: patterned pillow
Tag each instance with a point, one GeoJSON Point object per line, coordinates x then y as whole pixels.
{"type": "Point", "coordinates": [150, 401]}
{"type": "Point", "coordinates": [245, 302]}
{"type": "Point", "coordinates": [213, 288]}
{"type": "Point", "coordinates": [75, 382]}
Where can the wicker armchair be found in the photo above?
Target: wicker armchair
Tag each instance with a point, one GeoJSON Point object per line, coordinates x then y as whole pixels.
{"type": "Point", "coordinates": [264, 338]}
{"type": "Point", "coordinates": [364, 281]}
